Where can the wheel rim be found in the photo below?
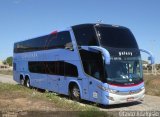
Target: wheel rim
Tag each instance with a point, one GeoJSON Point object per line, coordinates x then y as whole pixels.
{"type": "Point", "coordinates": [75, 93]}
{"type": "Point", "coordinates": [22, 81]}
{"type": "Point", "coordinates": [28, 83]}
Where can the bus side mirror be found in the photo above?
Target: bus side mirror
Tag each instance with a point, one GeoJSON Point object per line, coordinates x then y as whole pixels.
{"type": "Point", "coordinates": [150, 58]}
{"type": "Point", "coordinates": [104, 52]}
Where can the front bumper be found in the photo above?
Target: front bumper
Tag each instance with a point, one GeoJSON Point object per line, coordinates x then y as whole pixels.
{"type": "Point", "coordinates": [118, 99]}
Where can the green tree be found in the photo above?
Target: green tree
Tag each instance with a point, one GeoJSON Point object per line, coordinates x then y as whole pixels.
{"type": "Point", "coordinates": [9, 60]}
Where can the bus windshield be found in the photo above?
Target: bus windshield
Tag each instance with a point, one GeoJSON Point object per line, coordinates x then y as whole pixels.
{"type": "Point", "coordinates": [125, 71]}
{"type": "Point", "coordinates": [116, 37]}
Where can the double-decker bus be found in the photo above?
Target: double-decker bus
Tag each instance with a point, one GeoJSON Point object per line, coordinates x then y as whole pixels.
{"type": "Point", "coordinates": [96, 62]}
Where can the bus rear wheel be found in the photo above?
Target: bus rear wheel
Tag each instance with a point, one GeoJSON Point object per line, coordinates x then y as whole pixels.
{"type": "Point", "coordinates": [22, 81]}
{"type": "Point", "coordinates": [75, 93]}
{"type": "Point", "coordinates": [28, 83]}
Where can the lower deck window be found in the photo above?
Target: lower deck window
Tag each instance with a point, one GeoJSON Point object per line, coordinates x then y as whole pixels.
{"type": "Point", "coordinates": [53, 67]}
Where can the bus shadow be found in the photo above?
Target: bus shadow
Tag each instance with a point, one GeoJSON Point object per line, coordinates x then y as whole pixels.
{"type": "Point", "coordinates": [116, 106]}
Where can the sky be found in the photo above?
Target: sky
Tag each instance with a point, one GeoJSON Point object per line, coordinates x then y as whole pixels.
{"type": "Point", "coordinates": [23, 19]}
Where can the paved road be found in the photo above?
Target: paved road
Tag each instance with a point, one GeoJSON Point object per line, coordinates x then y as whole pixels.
{"type": "Point", "coordinates": [7, 79]}
{"type": "Point", "coordinates": [148, 104]}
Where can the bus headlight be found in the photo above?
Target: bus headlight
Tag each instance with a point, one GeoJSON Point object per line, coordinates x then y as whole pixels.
{"type": "Point", "coordinates": [112, 91]}
{"type": "Point", "coordinates": [110, 98]}
{"type": "Point", "coordinates": [107, 89]}
{"type": "Point", "coordinates": [103, 88]}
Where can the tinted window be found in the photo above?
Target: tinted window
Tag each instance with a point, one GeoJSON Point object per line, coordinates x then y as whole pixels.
{"type": "Point", "coordinates": [85, 35]}
{"type": "Point", "coordinates": [54, 68]}
{"type": "Point", "coordinates": [62, 40]}
{"type": "Point", "coordinates": [31, 45]}
{"type": "Point", "coordinates": [116, 37]}
{"type": "Point", "coordinates": [37, 67]}
{"type": "Point", "coordinates": [51, 67]}
{"type": "Point", "coordinates": [93, 64]}
{"type": "Point", "coordinates": [71, 70]}
{"type": "Point", "coordinates": [52, 41]}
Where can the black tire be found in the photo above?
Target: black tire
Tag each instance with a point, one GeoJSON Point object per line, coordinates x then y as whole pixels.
{"type": "Point", "coordinates": [28, 83]}
{"type": "Point", "coordinates": [22, 82]}
{"type": "Point", "coordinates": [75, 93]}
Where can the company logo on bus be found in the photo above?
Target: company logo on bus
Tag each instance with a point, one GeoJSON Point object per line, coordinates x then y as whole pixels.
{"type": "Point", "coordinates": [124, 53]}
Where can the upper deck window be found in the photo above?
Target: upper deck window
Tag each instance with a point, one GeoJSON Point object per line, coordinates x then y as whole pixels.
{"type": "Point", "coordinates": [116, 37]}
{"type": "Point", "coordinates": [85, 35]}
{"type": "Point", "coordinates": [52, 41]}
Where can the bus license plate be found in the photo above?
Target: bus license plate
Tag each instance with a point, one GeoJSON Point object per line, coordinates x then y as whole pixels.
{"type": "Point", "coordinates": [130, 99]}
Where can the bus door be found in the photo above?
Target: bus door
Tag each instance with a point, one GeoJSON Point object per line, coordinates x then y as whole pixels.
{"type": "Point", "coordinates": [94, 69]}
{"type": "Point", "coordinates": [96, 74]}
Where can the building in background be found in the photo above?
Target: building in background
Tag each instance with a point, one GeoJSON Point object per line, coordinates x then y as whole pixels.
{"type": "Point", "coordinates": [145, 64]}
{"type": "Point", "coordinates": [4, 66]}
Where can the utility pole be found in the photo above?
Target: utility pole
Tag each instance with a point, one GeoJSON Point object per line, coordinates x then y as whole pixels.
{"type": "Point", "coordinates": [154, 71]}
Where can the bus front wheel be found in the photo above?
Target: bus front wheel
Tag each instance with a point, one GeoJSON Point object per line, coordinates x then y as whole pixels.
{"type": "Point", "coordinates": [75, 93]}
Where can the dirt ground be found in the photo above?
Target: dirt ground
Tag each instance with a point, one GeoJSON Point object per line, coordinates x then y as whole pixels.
{"type": "Point", "coordinates": [152, 84]}
{"type": "Point", "coordinates": [13, 99]}
{"type": "Point", "coordinates": [38, 104]}
{"type": "Point", "coordinates": [18, 101]}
